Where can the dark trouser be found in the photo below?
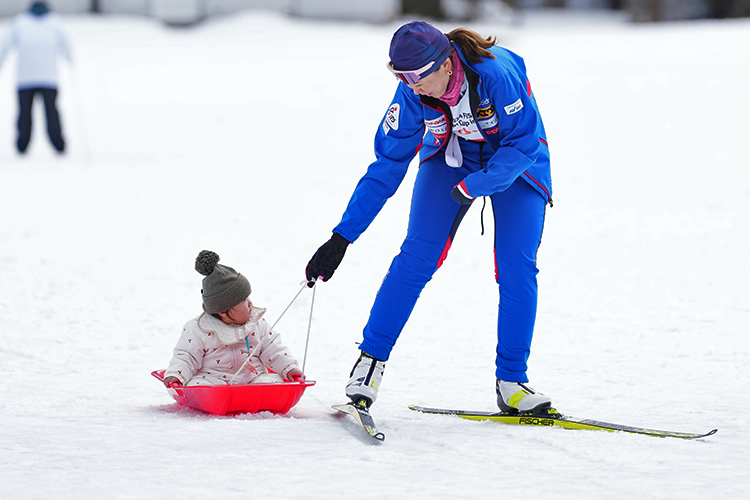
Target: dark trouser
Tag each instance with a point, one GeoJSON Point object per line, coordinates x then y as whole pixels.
{"type": "Point", "coordinates": [25, 101]}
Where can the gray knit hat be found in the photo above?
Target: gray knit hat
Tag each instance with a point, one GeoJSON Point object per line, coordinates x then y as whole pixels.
{"type": "Point", "coordinates": [223, 287]}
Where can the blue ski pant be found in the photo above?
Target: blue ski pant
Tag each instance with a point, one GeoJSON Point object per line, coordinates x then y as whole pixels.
{"type": "Point", "coordinates": [519, 213]}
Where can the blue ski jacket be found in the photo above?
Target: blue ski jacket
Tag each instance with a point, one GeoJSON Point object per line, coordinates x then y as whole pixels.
{"type": "Point", "coordinates": [507, 116]}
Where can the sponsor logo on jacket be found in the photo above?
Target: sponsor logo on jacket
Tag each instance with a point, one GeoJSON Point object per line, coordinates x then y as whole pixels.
{"type": "Point", "coordinates": [514, 108]}
{"type": "Point", "coordinates": [391, 118]}
{"type": "Point", "coordinates": [487, 117]}
{"type": "Point", "coordinates": [438, 127]}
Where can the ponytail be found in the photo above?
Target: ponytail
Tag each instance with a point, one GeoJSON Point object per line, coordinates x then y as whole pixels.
{"type": "Point", "coordinates": [473, 46]}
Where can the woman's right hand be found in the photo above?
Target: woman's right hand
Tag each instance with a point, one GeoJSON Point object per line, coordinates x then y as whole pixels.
{"type": "Point", "coordinates": [326, 259]}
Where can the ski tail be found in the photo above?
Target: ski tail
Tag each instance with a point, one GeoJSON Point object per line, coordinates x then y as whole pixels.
{"type": "Point", "coordinates": [361, 414]}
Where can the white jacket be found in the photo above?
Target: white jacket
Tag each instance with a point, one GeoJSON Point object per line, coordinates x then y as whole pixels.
{"type": "Point", "coordinates": [38, 40]}
{"type": "Point", "coordinates": [210, 352]}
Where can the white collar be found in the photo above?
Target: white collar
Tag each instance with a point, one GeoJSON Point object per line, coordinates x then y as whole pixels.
{"type": "Point", "coordinates": [230, 334]}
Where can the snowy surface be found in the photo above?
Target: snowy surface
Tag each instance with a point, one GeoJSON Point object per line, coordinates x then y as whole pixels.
{"type": "Point", "coordinates": [246, 136]}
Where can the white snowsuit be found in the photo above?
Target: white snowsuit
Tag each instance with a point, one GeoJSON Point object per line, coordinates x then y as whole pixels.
{"type": "Point", "coordinates": [210, 352]}
{"type": "Point", "coordinates": [38, 39]}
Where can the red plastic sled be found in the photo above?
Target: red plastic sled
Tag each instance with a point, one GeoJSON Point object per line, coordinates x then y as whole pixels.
{"type": "Point", "coordinates": [235, 399]}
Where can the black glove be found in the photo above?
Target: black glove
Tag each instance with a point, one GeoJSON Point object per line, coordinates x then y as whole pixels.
{"type": "Point", "coordinates": [326, 259]}
{"type": "Point", "coordinates": [461, 195]}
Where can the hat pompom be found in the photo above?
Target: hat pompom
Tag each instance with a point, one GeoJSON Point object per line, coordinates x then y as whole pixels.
{"type": "Point", "coordinates": [206, 262]}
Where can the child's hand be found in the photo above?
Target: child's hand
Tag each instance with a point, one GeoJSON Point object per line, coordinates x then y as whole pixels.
{"type": "Point", "coordinates": [295, 375]}
{"type": "Point", "coordinates": [172, 382]}
{"type": "Point", "coordinates": [251, 368]}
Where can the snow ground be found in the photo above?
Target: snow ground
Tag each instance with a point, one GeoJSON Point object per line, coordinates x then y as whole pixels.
{"type": "Point", "coordinates": [246, 135]}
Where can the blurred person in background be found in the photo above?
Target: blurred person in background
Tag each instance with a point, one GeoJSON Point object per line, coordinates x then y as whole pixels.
{"type": "Point", "coordinates": [38, 38]}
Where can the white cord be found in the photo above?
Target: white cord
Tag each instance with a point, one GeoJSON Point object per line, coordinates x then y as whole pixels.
{"type": "Point", "coordinates": [309, 327]}
{"type": "Point", "coordinates": [252, 353]}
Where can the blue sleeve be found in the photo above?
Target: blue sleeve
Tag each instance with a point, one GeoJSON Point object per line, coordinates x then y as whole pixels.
{"type": "Point", "coordinates": [519, 125]}
{"type": "Point", "coordinates": [397, 141]}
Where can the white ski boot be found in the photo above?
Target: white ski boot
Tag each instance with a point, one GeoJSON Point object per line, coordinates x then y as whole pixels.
{"type": "Point", "coordinates": [364, 380]}
{"type": "Point", "coordinates": [516, 396]}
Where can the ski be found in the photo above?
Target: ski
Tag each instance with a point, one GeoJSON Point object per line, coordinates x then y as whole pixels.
{"type": "Point", "coordinates": [361, 414]}
{"type": "Point", "coordinates": [552, 417]}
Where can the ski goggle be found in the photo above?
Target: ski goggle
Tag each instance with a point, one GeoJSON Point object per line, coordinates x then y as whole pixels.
{"type": "Point", "coordinates": [412, 76]}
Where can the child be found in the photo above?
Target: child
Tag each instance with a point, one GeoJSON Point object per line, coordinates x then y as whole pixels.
{"type": "Point", "coordinates": [214, 345]}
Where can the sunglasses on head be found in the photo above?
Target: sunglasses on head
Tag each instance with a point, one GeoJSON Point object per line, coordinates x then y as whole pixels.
{"type": "Point", "coordinates": [412, 76]}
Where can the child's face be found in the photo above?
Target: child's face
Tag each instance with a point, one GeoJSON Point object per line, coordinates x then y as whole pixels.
{"type": "Point", "coordinates": [239, 314]}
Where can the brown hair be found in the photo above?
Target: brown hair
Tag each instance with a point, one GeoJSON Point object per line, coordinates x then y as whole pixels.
{"type": "Point", "coordinates": [472, 44]}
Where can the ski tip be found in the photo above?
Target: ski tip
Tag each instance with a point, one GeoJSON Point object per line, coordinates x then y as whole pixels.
{"type": "Point", "coordinates": [696, 436]}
